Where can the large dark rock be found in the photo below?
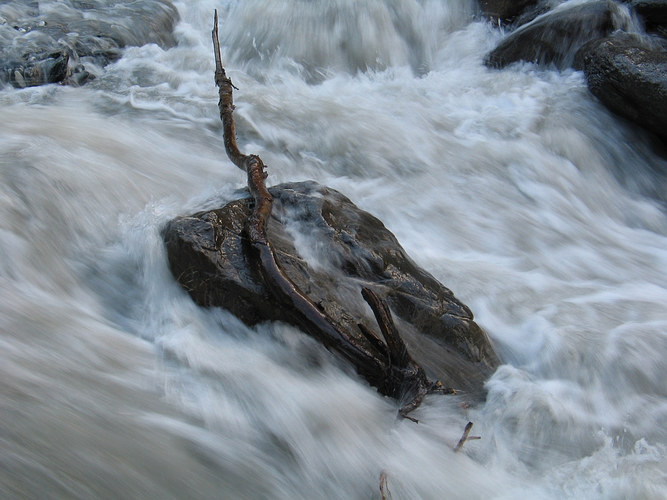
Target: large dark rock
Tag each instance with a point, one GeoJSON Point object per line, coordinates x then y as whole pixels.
{"type": "Point", "coordinates": [509, 11]}
{"type": "Point", "coordinates": [629, 75]}
{"type": "Point", "coordinates": [52, 41]}
{"type": "Point", "coordinates": [653, 14]}
{"type": "Point", "coordinates": [555, 37]}
{"type": "Point", "coordinates": [51, 69]}
{"type": "Point", "coordinates": [330, 249]}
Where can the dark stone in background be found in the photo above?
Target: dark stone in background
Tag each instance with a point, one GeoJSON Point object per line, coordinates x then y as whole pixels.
{"type": "Point", "coordinates": [555, 37]}
{"type": "Point", "coordinates": [625, 71]}
{"type": "Point", "coordinates": [506, 11]}
{"type": "Point", "coordinates": [40, 38]}
{"type": "Point", "coordinates": [628, 74]}
{"type": "Point", "coordinates": [653, 14]}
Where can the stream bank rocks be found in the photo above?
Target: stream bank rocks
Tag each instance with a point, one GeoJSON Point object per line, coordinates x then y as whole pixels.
{"type": "Point", "coordinates": [62, 41]}
{"type": "Point", "coordinates": [513, 12]}
{"type": "Point", "coordinates": [624, 66]}
{"type": "Point", "coordinates": [330, 249]}
{"type": "Point", "coordinates": [554, 38]}
{"type": "Point", "coordinates": [652, 13]}
{"type": "Point", "coordinates": [629, 75]}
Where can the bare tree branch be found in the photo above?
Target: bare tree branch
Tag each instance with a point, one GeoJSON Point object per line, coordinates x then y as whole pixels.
{"type": "Point", "coordinates": [394, 372]}
{"type": "Point", "coordinates": [398, 351]}
{"type": "Point", "coordinates": [226, 103]}
{"type": "Point", "coordinates": [309, 315]}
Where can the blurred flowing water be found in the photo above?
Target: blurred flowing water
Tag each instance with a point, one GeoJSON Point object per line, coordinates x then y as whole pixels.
{"type": "Point", "coordinates": [515, 188]}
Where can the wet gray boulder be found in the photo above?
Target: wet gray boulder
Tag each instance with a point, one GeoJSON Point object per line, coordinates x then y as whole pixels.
{"type": "Point", "coordinates": [628, 74]}
{"type": "Point", "coordinates": [554, 38]}
{"type": "Point", "coordinates": [330, 249]}
{"type": "Point", "coordinates": [511, 11]}
{"type": "Point", "coordinates": [653, 14]}
{"type": "Point", "coordinates": [62, 41]}
{"type": "Point", "coordinates": [51, 68]}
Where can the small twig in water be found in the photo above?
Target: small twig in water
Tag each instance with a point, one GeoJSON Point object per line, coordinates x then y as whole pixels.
{"type": "Point", "coordinates": [465, 437]}
{"type": "Point", "coordinates": [386, 495]}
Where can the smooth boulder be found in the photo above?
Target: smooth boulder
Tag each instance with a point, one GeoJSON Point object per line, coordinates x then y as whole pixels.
{"type": "Point", "coordinates": [555, 37]}
{"type": "Point", "coordinates": [653, 14]}
{"type": "Point", "coordinates": [510, 11]}
{"type": "Point", "coordinates": [628, 74]}
{"type": "Point", "coordinates": [61, 41]}
{"type": "Point", "coordinates": [330, 249]}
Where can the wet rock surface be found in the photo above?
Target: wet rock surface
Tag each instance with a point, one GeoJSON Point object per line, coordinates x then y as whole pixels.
{"type": "Point", "coordinates": [330, 249]}
{"type": "Point", "coordinates": [653, 14]}
{"type": "Point", "coordinates": [625, 69]}
{"type": "Point", "coordinates": [628, 74]}
{"type": "Point", "coordinates": [555, 37]}
{"type": "Point", "coordinates": [512, 11]}
{"type": "Point", "coordinates": [62, 41]}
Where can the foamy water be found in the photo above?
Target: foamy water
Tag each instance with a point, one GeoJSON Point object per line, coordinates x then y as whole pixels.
{"type": "Point", "coordinates": [515, 188]}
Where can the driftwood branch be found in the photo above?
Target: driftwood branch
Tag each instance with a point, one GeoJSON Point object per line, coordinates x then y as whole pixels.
{"type": "Point", "coordinates": [226, 103]}
{"type": "Point", "coordinates": [394, 373]}
{"type": "Point", "coordinates": [384, 487]}
{"type": "Point", "coordinates": [308, 314]}
{"type": "Point", "coordinates": [404, 372]}
{"type": "Point", "coordinates": [465, 437]}
{"type": "Point", "coordinates": [398, 351]}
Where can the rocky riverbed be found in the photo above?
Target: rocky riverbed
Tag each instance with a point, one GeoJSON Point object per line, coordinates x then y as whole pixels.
{"type": "Point", "coordinates": [620, 47]}
{"type": "Point", "coordinates": [516, 188]}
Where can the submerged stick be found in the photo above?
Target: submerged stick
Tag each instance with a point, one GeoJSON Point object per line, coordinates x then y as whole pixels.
{"type": "Point", "coordinates": [398, 351]}
{"type": "Point", "coordinates": [405, 374]}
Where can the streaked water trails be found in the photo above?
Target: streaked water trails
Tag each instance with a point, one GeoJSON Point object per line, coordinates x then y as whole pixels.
{"type": "Point", "coordinates": [515, 188]}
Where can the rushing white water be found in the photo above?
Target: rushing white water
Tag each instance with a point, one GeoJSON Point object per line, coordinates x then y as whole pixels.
{"type": "Point", "coordinates": [515, 188]}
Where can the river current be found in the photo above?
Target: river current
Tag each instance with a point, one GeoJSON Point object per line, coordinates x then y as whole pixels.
{"type": "Point", "coordinates": [516, 188]}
